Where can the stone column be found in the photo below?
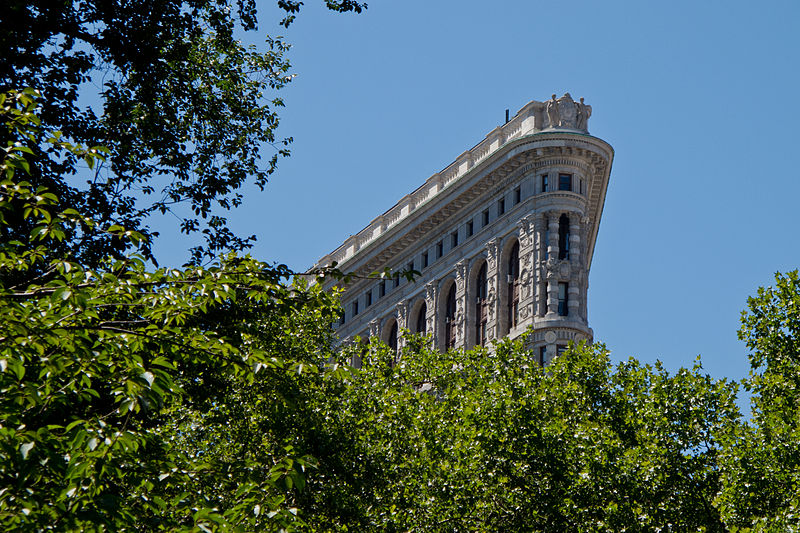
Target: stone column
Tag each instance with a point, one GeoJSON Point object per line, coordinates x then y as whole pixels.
{"type": "Point", "coordinates": [527, 264]}
{"type": "Point", "coordinates": [461, 303]}
{"type": "Point", "coordinates": [575, 252]}
{"type": "Point", "coordinates": [493, 281]}
{"type": "Point", "coordinates": [539, 221]}
{"type": "Point", "coordinates": [574, 300]}
{"type": "Point", "coordinates": [430, 310]}
{"type": "Point", "coordinates": [402, 323]}
{"type": "Point", "coordinates": [552, 259]}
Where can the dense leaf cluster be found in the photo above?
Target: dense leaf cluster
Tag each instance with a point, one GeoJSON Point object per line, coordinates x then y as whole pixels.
{"type": "Point", "coordinates": [186, 109]}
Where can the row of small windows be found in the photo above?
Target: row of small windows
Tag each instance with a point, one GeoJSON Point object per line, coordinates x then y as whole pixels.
{"type": "Point", "coordinates": [565, 182]}
{"type": "Point", "coordinates": [563, 254]}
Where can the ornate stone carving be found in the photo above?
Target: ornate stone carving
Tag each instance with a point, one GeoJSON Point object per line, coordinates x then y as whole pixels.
{"type": "Point", "coordinates": [374, 327]}
{"type": "Point", "coordinates": [491, 298]}
{"type": "Point", "coordinates": [525, 282]}
{"type": "Point", "coordinates": [491, 255]}
{"type": "Point", "coordinates": [584, 112]}
{"type": "Point", "coordinates": [567, 113]}
{"type": "Point", "coordinates": [459, 321]}
{"type": "Point", "coordinates": [552, 112]}
{"type": "Point", "coordinates": [461, 275]}
{"type": "Point", "coordinates": [430, 294]}
{"type": "Point", "coordinates": [402, 314]}
{"type": "Point", "coordinates": [526, 231]}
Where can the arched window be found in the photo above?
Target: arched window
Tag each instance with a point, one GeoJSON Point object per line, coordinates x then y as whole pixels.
{"type": "Point", "coordinates": [421, 322]}
{"type": "Point", "coordinates": [481, 306]}
{"type": "Point", "coordinates": [450, 318]}
{"type": "Point", "coordinates": [513, 286]}
{"type": "Point", "coordinates": [563, 237]}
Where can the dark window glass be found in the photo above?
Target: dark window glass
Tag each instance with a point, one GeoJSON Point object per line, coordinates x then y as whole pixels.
{"type": "Point", "coordinates": [454, 239]}
{"type": "Point", "coordinates": [368, 299]}
{"type": "Point", "coordinates": [449, 318]}
{"type": "Point", "coordinates": [396, 280]}
{"type": "Point", "coordinates": [517, 195]}
{"type": "Point", "coordinates": [501, 206]}
{"type": "Point", "coordinates": [355, 308]}
{"type": "Point", "coordinates": [424, 259]}
{"type": "Point", "coordinates": [470, 228]}
{"type": "Point", "coordinates": [560, 349]}
{"type": "Point", "coordinates": [421, 323]}
{"type": "Point", "coordinates": [546, 239]}
{"type": "Point", "coordinates": [542, 354]}
{"type": "Point", "coordinates": [565, 182]}
{"type": "Point", "coordinates": [485, 217]}
{"type": "Point", "coordinates": [393, 337]}
{"type": "Point", "coordinates": [382, 289]}
{"type": "Point", "coordinates": [544, 182]}
{"type": "Point", "coordinates": [439, 249]}
{"type": "Point", "coordinates": [563, 237]}
{"type": "Point", "coordinates": [563, 299]}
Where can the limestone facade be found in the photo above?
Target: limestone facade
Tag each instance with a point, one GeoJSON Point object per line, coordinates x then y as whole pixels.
{"type": "Point", "coordinates": [503, 239]}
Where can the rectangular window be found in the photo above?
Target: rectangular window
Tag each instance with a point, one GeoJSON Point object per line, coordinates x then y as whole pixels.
{"type": "Point", "coordinates": [410, 266]}
{"type": "Point", "coordinates": [517, 195]}
{"type": "Point", "coordinates": [485, 218]}
{"type": "Point", "coordinates": [396, 279]}
{"type": "Point", "coordinates": [543, 296]}
{"type": "Point", "coordinates": [544, 182]}
{"type": "Point", "coordinates": [542, 355]}
{"type": "Point", "coordinates": [382, 289]}
{"type": "Point", "coordinates": [454, 239]}
{"type": "Point", "coordinates": [341, 319]}
{"type": "Point", "coordinates": [470, 228]}
{"type": "Point", "coordinates": [439, 249]}
{"type": "Point", "coordinates": [355, 308]}
{"type": "Point", "coordinates": [424, 259]}
{"type": "Point", "coordinates": [565, 182]}
{"type": "Point", "coordinates": [581, 184]}
{"type": "Point", "coordinates": [563, 299]}
{"type": "Point", "coordinates": [560, 349]}
{"type": "Point", "coordinates": [368, 299]}
{"type": "Point", "coordinates": [501, 206]}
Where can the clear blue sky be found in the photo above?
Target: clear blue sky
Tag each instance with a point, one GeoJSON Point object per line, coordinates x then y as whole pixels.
{"type": "Point", "coordinates": [698, 99]}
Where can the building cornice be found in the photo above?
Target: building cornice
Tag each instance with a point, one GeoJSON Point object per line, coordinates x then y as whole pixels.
{"type": "Point", "coordinates": [450, 190]}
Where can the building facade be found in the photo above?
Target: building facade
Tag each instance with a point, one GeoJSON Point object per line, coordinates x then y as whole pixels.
{"type": "Point", "coordinates": [503, 239]}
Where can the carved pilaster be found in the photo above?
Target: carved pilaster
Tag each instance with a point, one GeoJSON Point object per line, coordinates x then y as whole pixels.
{"type": "Point", "coordinates": [528, 236]}
{"type": "Point", "coordinates": [374, 328]}
{"type": "Point", "coordinates": [493, 287]}
{"type": "Point", "coordinates": [402, 322]}
{"type": "Point", "coordinates": [430, 308]}
{"type": "Point", "coordinates": [461, 302]}
{"type": "Point", "coordinates": [575, 240]}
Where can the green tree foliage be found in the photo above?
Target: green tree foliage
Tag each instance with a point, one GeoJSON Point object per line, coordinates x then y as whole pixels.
{"type": "Point", "coordinates": [482, 441]}
{"type": "Point", "coordinates": [761, 465]}
{"type": "Point", "coordinates": [99, 367]}
{"type": "Point", "coordinates": [185, 108]}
